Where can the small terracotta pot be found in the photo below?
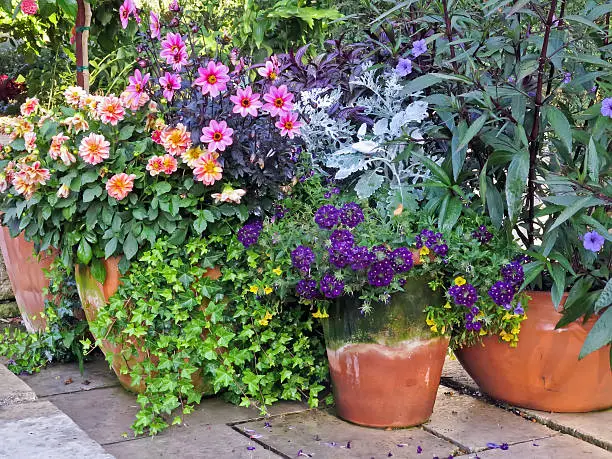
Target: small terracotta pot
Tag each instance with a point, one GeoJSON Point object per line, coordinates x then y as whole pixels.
{"type": "Point", "coordinates": [27, 277]}
{"type": "Point", "coordinates": [385, 366]}
{"type": "Point", "coordinates": [127, 355]}
{"type": "Point", "coordinates": [543, 372]}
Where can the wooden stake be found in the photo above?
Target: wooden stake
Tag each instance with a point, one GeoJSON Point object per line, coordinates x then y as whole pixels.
{"type": "Point", "coordinates": [83, 22]}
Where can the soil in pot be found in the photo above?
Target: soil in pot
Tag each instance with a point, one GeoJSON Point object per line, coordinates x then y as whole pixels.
{"type": "Point", "coordinates": [543, 372]}
{"type": "Point", "coordinates": [385, 366]}
{"type": "Point", "coordinates": [25, 271]}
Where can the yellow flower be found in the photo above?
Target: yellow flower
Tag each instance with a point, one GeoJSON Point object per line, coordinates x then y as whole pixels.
{"type": "Point", "coordinates": [447, 305]}
{"type": "Point", "coordinates": [254, 289]}
{"type": "Point", "coordinates": [320, 315]}
{"type": "Point", "coordinates": [506, 336]}
{"type": "Point", "coordinates": [430, 322]}
{"type": "Point", "coordinates": [266, 319]}
{"type": "Point", "coordinates": [277, 271]}
{"type": "Point", "coordinates": [507, 316]}
{"type": "Point", "coordinates": [434, 328]}
{"type": "Point", "coordinates": [424, 251]}
{"type": "Point", "coordinates": [460, 281]}
{"type": "Point", "coordinates": [268, 290]}
{"type": "Point", "coordinates": [516, 330]}
{"type": "Point", "coordinates": [482, 332]}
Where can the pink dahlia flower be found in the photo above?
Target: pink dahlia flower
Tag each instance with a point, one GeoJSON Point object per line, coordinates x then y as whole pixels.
{"type": "Point", "coordinates": [125, 11]}
{"type": "Point", "coordinates": [213, 78]}
{"type": "Point", "coordinates": [94, 149]}
{"type": "Point", "coordinates": [176, 140]}
{"type": "Point", "coordinates": [279, 100]}
{"type": "Point", "coordinates": [270, 70]}
{"type": "Point", "coordinates": [120, 185]}
{"type": "Point", "coordinates": [110, 110]}
{"type": "Point", "coordinates": [207, 169]}
{"type": "Point", "coordinates": [288, 124]}
{"type": "Point", "coordinates": [154, 25]}
{"type": "Point", "coordinates": [217, 135]}
{"type": "Point", "coordinates": [170, 82]}
{"type": "Point", "coordinates": [173, 50]}
{"type": "Point", "coordinates": [246, 102]}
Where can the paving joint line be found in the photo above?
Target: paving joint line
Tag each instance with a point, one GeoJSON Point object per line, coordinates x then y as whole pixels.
{"type": "Point", "coordinates": [76, 391]}
{"type": "Point", "coordinates": [523, 413]}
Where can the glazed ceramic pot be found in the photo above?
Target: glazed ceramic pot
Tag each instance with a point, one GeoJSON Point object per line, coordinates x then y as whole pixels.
{"type": "Point", "coordinates": [125, 356]}
{"type": "Point", "coordinates": [385, 366]}
{"type": "Point", "coordinates": [25, 271]}
{"type": "Point", "coordinates": [543, 372]}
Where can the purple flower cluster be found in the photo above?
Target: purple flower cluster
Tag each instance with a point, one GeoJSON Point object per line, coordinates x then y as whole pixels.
{"type": "Point", "coordinates": [482, 234]}
{"type": "Point", "coordinates": [464, 295]}
{"type": "Point", "coordinates": [502, 292]}
{"type": "Point", "coordinates": [361, 258]}
{"type": "Point", "coordinates": [249, 233]}
{"type": "Point", "coordinates": [513, 274]}
{"type": "Point", "coordinates": [351, 215]}
{"type": "Point", "coordinates": [331, 287]}
{"type": "Point", "coordinates": [401, 259]}
{"type": "Point", "coordinates": [327, 216]}
{"type": "Point", "coordinates": [302, 257]}
{"type": "Point", "coordinates": [471, 324]}
{"type": "Point", "coordinates": [307, 288]}
{"type": "Point", "coordinates": [381, 273]}
{"type": "Point", "coordinates": [433, 241]}
{"type": "Point", "coordinates": [342, 239]}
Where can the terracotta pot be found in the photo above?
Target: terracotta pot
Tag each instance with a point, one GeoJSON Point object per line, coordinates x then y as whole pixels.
{"type": "Point", "coordinates": [124, 357]}
{"type": "Point", "coordinates": [385, 366]}
{"type": "Point", "coordinates": [543, 372]}
{"type": "Point", "coordinates": [27, 278]}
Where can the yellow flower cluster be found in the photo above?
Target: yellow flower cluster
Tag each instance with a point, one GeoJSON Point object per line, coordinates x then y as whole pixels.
{"type": "Point", "coordinates": [320, 315]}
{"type": "Point", "coordinates": [266, 319]}
{"type": "Point", "coordinates": [255, 289]}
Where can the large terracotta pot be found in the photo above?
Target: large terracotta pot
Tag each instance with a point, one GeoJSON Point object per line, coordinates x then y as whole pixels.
{"type": "Point", "coordinates": [543, 372]}
{"type": "Point", "coordinates": [124, 357]}
{"type": "Point", "coordinates": [385, 366]}
{"type": "Point", "coordinates": [27, 278]}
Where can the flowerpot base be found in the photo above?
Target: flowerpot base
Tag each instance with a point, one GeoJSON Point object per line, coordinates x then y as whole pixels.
{"type": "Point", "coordinates": [387, 386]}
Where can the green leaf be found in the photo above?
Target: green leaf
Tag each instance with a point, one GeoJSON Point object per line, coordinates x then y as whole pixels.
{"type": "Point", "coordinates": [453, 211]}
{"type": "Point", "coordinates": [162, 188]}
{"type": "Point", "coordinates": [98, 271]}
{"type": "Point", "coordinates": [495, 204]}
{"type": "Point", "coordinates": [592, 161]}
{"type": "Point", "coordinates": [579, 203]}
{"type": "Point", "coordinates": [600, 335]}
{"type": "Point", "coordinates": [576, 305]}
{"type": "Point", "coordinates": [92, 193]}
{"type": "Point", "coordinates": [471, 132]}
{"type": "Point", "coordinates": [436, 170]}
{"type": "Point", "coordinates": [84, 252]}
{"type": "Point", "coordinates": [110, 247]}
{"type": "Point", "coordinates": [126, 132]}
{"type": "Point", "coordinates": [558, 275]}
{"type": "Point", "coordinates": [532, 270]}
{"type": "Point", "coordinates": [518, 172]}
{"type": "Point", "coordinates": [69, 7]}
{"type": "Point", "coordinates": [605, 298]}
{"type": "Point", "coordinates": [130, 246]}
{"type": "Point", "coordinates": [368, 183]}
{"type": "Point", "coordinates": [560, 125]}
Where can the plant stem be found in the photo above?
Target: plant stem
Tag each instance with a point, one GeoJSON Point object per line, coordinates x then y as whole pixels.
{"type": "Point", "coordinates": [449, 34]}
{"type": "Point", "coordinates": [534, 137]}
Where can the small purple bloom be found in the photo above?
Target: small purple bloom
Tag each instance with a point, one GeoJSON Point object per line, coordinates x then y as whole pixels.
{"type": "Point", "coordinates": [519, 309]}
{"type": "Point", "coordinates": [419, 449]}
{"type": "Point", "coordinates": [593, 90]}
{"type": "Point", "coordinates": [531, 93]}
{"type": "Point", "coordinates": [302, 257]}
{"type": "Point", "coordinates": [401, 258]}
{"type": "Point", "coordinates": [475, 310]}
{"type": "Point", "coordinates": [339, 256]}
{"type": "Point", "coordinates": [419, 47]}
{"type": "Point", "coordinates": [330, 286]}
{"type": "Point", "coordinates": [327, 195]}
{"type": "Point", "coordinates": [504, 446]}
{"type": "Point", "coordinates": [361, 258]}
{"type": "Point", "coordinates": [342, 239]}
{"type": "Point", "coordinates": [513, 273]}
{"type": "Point", "coordinates": [465, 295]}
{"type": "Point", "coordinates": [327, 216]}
{"type": "Point", "coordinates": [511, 79]}
{"type": "Point", "coordinates": [381, 273]}
{"type": "Point", "coordinates": [592, 240]}
{"type": "Point", "coordinates": [502, 293]}
{"type": "Point", "coordinates": [351, 214]}
{"type": "Point", "coordinates": [251, 448]}
{"type": "Point", "coordinates": [403, 68]}
{"type": "Point", "coordinates": [249, 233]}
{"type": "Point", "coordinates": [567, 77]}
{"type": "Point", "coordinates": [307, 289]}
{"type": "Point", "coordinates": [476, 326]}
{"type": "Point", "coordinates": [482, 234]}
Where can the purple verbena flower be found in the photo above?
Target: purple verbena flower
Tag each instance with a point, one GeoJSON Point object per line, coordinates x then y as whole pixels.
{"type": "Point", "coordinates": [403, 68]}
{"type": "Point", "coordinates": [342, 239]}
{"type": "Point", "coordinates": [464, 295]}
{"type": "Point", "coordinates": [502, 293]}
{"type": "Point", "coordinates": [249, 233]}
{"type": "Point", "coordinates": [327, 216]}
{"type": "Point", "coordinates": [381, 273]}
{"type": "Point", "coordinates": [330, 286]}
{"type": "Point", "coordinates": [361, 258]}
{"type": "Point", "coordinates": [307, 288]}
{"type": "Point", "coordinates": [592, 240]}
{"type": "Point", "coordinates": [513, 274]}
{"type": "Point", "coordinates": [440, 249]}
{"type": "Point", "coordinates": [302, 257]}
{"type": "Point", "coordinates": [339, 256]}
{"type": "Point", "coordinates": [482, 234]}
{"type": "Point", "coordinates": [476, 326]}
{"type": "Point", "coordinates": [401, 259]}
{"type": "Point", "coordinates": [351, 214]}
{"type": "Point", "coordinates": [419, 47]}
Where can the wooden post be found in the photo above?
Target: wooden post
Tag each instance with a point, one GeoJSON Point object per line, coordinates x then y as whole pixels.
{"type": "Point", "coordinates": [83, 22]}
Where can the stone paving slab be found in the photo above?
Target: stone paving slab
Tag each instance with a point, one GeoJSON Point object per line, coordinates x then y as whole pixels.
{"type": "Point", "coordinates": [210, 442]}
{"type": "Point", "coordinates": [472, 423]}
{"type": "Point", "coordinates": [322, 435]}
{"type": "Point", "coordinates": [595, 427]}
{"type": "Point", "coordinates": [65, 378]}
{"type": "Point", "coordinates": [557, 447]}
{"type": "Point", "coordinates": [39, 430]}
{"type": "Point", "coordinates": [12, 389]}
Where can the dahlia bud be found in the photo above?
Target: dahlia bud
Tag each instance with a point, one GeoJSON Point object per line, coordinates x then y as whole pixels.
{"type": "Point", "coordinates": [174, 6]}
{"type": "Point", "coordinates": [63, 192]}
{"type": "Point", "coordinates": [174, 22]}
{"type": "Point", "coordinates": [143, 63]}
